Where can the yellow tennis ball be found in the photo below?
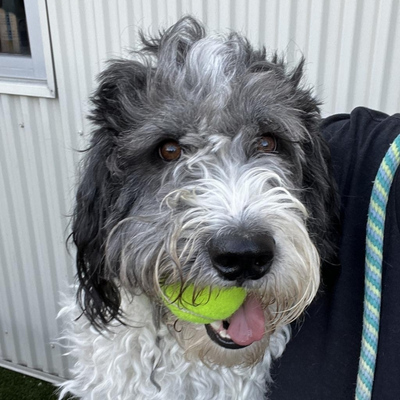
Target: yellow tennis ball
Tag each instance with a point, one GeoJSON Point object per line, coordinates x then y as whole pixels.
{"type": "Point", "coordinates": [202, 306]}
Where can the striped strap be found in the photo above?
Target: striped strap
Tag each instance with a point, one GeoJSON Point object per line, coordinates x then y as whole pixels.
{"type": "Point", "coordinates": [373, 270]}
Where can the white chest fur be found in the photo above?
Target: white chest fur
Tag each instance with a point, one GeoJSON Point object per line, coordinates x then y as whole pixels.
{"type": "Point", "coordinates": [140, 362]}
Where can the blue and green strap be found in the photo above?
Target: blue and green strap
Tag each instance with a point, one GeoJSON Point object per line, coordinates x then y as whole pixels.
{"type": "Point", "coordinates": [373, 270]}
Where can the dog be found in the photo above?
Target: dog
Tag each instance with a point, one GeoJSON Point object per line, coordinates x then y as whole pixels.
{"type": "Point", "coordinates": [206, 167]}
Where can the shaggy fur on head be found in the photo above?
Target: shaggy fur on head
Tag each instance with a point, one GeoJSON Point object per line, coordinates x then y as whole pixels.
{"type": "Point", "coordinates": [203, 149]}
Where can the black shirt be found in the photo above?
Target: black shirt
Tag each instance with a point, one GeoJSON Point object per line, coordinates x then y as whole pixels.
{"type": "Point", "coordinates": [321, 360]}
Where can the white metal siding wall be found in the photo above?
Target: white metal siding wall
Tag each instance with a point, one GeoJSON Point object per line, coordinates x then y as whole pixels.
{"type": "Point", "coordinates": [353, 56]}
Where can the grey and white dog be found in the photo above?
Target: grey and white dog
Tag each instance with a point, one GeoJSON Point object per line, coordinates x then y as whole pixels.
{"type": "Point", "coordinates": [206, 166]}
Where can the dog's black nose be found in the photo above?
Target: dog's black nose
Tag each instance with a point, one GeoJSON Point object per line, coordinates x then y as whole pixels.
{"type": "Point", "coordinates": [240, 257]}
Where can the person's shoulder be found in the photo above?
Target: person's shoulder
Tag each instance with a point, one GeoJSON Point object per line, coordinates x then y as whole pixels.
{"type": "Point", "coordinates": [361, 122]}
{"type": "Point", "coordinates": [358, 141]}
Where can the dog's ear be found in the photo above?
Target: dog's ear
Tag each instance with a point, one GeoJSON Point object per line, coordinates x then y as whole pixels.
{"type": "Point", "coordinates": [116, 103]}
{"type": "Point", "coordinates": [320, 193]}
{"type": "Point", "coordinates": [97, 294]}
{"type": "Point", "coordinates": [322, 201]}
{"type": "Point", "coordinates": [321, 198]}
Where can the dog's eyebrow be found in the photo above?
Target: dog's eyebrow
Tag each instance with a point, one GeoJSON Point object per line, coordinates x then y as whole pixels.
{"type": "Point", "coordinates": [270, 125]}
{"type": "Point", "coordinates": [146, 137]}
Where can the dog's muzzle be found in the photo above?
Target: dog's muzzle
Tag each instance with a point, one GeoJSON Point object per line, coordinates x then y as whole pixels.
{"type": "Point", "coordinates": [242, 257]}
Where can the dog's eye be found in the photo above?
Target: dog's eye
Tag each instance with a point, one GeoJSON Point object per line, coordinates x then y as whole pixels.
{"type": "Point", "coordinates": [267, 144]}
{"type": "Point", "coordinates": [170, 150]}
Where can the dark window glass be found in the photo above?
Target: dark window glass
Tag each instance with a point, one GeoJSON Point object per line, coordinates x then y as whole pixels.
{"type": "Point", "coordinates": [13, 28]}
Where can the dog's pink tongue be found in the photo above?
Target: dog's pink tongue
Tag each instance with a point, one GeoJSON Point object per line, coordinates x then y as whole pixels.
{"type": "Point", "coordinates": [247, 325]}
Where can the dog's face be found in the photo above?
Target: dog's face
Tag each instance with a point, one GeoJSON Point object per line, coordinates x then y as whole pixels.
{"type": "Point", "coordinates": [206, 167]}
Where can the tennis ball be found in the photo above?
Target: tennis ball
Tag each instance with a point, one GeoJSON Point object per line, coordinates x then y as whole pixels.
{"type": "Point", "coordinates": [202, 306]}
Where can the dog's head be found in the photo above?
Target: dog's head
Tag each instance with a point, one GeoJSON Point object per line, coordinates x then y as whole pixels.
{"type": "Point", "coordinates": [206, 166]}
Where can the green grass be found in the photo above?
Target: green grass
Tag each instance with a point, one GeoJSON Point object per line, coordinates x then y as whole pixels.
{"type": "Point", "coordinates": [15, 386]}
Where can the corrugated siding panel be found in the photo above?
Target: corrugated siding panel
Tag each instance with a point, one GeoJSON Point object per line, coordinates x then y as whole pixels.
{"type": "Point", "coordinates": [353, 53]}
{"type": "Point", "coordinates": [33, 256]}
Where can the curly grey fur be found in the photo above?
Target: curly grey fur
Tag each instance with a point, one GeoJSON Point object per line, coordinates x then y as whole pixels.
{"type": "Point", "coordinates": [139, 219]}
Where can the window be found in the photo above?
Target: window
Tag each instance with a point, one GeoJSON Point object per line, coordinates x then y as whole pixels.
{"type": "Point", "coordinates": [25, 55]}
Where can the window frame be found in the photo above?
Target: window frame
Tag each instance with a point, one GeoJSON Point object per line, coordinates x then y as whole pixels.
{"type": "Point", "coordinates": [31, 75]}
